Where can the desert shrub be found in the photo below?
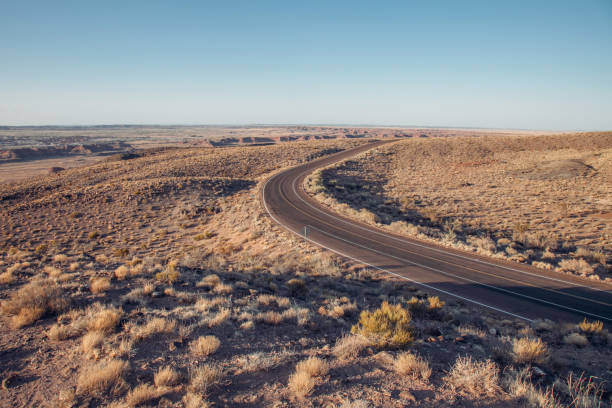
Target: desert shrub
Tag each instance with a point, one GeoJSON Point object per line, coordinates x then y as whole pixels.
{"type": "Point", "coordinates": [222, 316]}
{"type": "Point", "coordinates": [141, 394]}
{"type": "Point", "coordinates": [473, 377]}
{"type": "Point", "coordinates": [204, 377]}
{"type": "Point", "coordinates": [104, 320]}
{"type": "Point", "coordinates": [348, 347]}
{"type": "Point", "coordinates": [92, 341]}
{"type": "Point", "coordinates": [301, 384]}
{"type": "Point", "coordinates": [576, 339]}
{"type": "Point", "coordinates": [526, 350]}
{"type": "Point", "coordinates": [579, 266]}
{"type": "Point", "coordinates": [58, 333]}
{"type": "Point", "coordinates": [591, 327]}
{"type": "Point", "coordinates": [156, 325]}
{"type": "Point", "coordinates": [388, 325]}
{"type": "Point", "coordinates": [204, 345]}
{"type": "Point", "coordinates": [121, 272]}
{"type": "Point", "coordinates": [99, 285]}
{"type": "Point", "coordinates": [412, 365]}
{"type": "Point", "coordinates": [209, 281]}
{"type": "Point", "coordinates": [166, 377]}
{"type": "Point", "coordinates": [171, 274]}
{"type": "Point", "coordinates": [583, 392]}
{"type": "Point", "coordinates": [193, 400]}
{"type": "Point", "coordinates": [518, 384]}
{"type": "Point", "coordinates": [60, 258]}
{"type": "Point", "coordinates": [223, 289]}
{"type": "Point", "coordinates": [296, 284]}
{"type": "Point", "coordinates": [435, 303]}
{"type": "Point", "coordinates": [270, 317]}
{"type": "Point", "coordinates": [32, 301]}
{"type": "Point", "coordinates": [314, 366]}
{"type": "Point", "coordinates": [101, 378]}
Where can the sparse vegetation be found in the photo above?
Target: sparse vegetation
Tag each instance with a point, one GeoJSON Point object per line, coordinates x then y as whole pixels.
{"type": "Point", "coordinates": [205, 345]}
{"type": "Point", "coordinates": [132, 284]}
{"type": "Point", "coordinates": [477, 378]}
{"type": "Point", "coordinates": [408, 364]}
{"type": "Point", "coordinates": [388, 325]}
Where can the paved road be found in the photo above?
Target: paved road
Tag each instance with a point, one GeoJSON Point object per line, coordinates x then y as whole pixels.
{"type": "Point", "coordinates": [509, 288]}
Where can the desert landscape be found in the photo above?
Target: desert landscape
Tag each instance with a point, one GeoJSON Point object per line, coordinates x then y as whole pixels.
{"type": "Point", "coordinates": [330, 204]}
{"type": "Point", "coordinates": [156, 278]}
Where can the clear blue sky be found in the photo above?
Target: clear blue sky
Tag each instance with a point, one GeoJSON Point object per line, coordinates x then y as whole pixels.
{"type": "Point", "coordinates": [532, 64]}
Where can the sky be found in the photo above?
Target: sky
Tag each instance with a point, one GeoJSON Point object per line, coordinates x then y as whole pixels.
{"type": "Point", "coordinates": [492, 64]}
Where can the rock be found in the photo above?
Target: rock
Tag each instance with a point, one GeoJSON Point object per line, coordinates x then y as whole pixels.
{"type": "Point", "coordinates": [157, 294]}
{"type": "Point", "coordinates": [538, 371]}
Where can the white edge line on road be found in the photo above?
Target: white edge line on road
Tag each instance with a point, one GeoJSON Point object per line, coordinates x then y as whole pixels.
{"type": "Point", "coordinates": [460, 277]}
{"type": "Point", "coordinates": [372, 230]}
{"type": "Point", "coordinates": [263, 193]}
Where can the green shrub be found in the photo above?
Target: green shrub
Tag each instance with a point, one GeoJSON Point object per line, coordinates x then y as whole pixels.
{"type": "Point", "coordinates": [388, 325]}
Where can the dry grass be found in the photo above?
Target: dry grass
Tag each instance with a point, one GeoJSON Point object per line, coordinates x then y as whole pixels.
{"type": "Point", "coordinates": [91, 342]}
{"type": "Point", "coordinates": [349, 347]}
{"type": "Point", "coordinates": [204, 346]}
{"type": "Point", "coordinates": [32, 301]}
{"type": "Point", "coordinates": [141, 394]}
{"type": "Point", "coordinates": [527, 350]}
{"type": "Point", "coordinates": [99, 285]}
{"type": "Point", "coordinates": [591, 327]}
{"type": "Point", "coordinates": [461, 192]}
{"type": "Point", "coordinates": [408, 364]}
{"type": "Point", "coordinates": [102, 378]}
{"type": "Point", "coordinates": [58, 332]}
{"type": "Point", "coordinates": [121, 272]}
{"type": "Point", "coordinates": [104, 320]}
{"type": "Point", "coordinates": [219, 318]}
{"type": "Point", "coordinates": [518, 384]}
{"type": "Point", "coordinates": [270, 317]}
{"type": "Point", "coordinates": [166, 377]}
{"type": "Point", "coordinates": [301, 384]}
{"type": "Point", "coordinates": [154, 326]}
{"type": "Point", "coordinates": [192, 400]}
{"type": "Point", "coordinates": [204, 377]}
{"type": "Point", "coordinates": [477, 378]}
{"type": "Point", "coordinates": [388, 325]}
{"type": "Point", "coordinates": [583, 392]}
{"type": "Point", "coordinates": [314, 366]}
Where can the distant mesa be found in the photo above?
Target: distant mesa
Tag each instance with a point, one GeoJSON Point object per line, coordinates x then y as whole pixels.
{"type": "Point", "coordinates": [47, 152]}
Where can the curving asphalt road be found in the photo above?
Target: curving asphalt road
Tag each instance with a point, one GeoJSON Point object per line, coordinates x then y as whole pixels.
{"type": "Point", "coordinates": [513, 289]}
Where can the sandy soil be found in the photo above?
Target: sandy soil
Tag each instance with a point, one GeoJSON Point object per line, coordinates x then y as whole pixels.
{"type": "Point", "coordinates": [114, 271]}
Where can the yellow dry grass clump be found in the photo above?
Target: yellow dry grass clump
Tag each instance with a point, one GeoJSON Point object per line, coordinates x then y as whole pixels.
{"type": "Point", "coordinates": [388, 325]}
{"type": "Point", "coordinates": [166, 377]}
{"type": "Point", "coordinates": [101, 378]}
{"type": "Point", "coordinates": [99, 285]}
{"type": "Point", "coordinates": [32, 301]}
{"type": "Point", "coordinates": [204, 377]}
{"type": "Point", "coordinates": [591, 327]}
{"type": "Point", "coordinates": [104, 320]}
{"type": "Point", "coordinates": [205, 345]}
{"type": "Point", "coordinates": [412, 365]}
{"type": "Point", "coordinates": [526, 350]}
{"type": "Point", "coordinates": [473, 377]}
{"type": "Point", "coordinates": [302, 382]}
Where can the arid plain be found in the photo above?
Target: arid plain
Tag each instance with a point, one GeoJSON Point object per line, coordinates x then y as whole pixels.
{"type": "Point", "coordinates": [152, 276]}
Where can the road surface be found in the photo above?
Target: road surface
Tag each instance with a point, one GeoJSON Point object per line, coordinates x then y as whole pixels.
{"type": "Point", "coordinates": [509, 288]}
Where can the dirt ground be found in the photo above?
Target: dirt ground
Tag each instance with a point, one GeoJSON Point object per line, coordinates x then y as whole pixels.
{"type": "Point", "coordinates": [160, 281]}
{"type": "Point", "coordinates": [544, 200]}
